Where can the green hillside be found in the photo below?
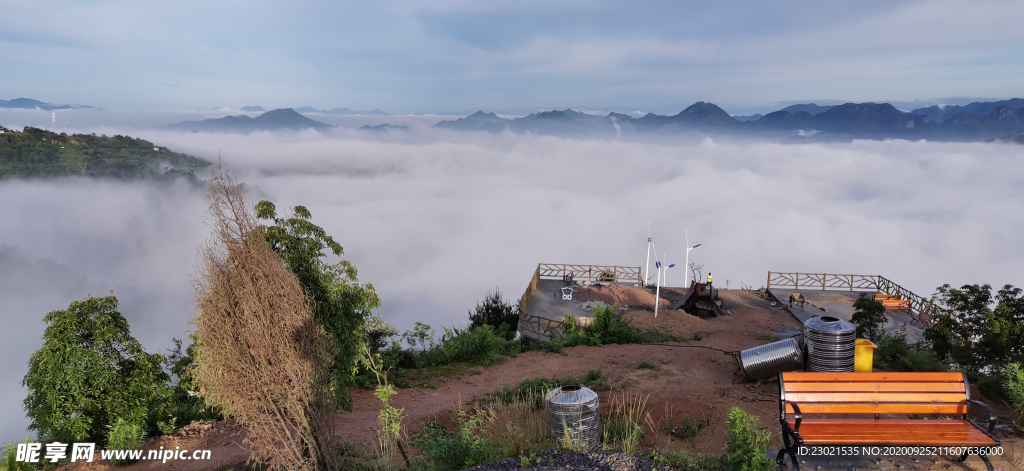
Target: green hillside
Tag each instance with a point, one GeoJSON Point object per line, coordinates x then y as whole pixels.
{"type": "Point", "coordinates": [37, 153]}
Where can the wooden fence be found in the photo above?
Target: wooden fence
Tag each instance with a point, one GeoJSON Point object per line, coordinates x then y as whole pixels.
{"type": "Point", "coordinates": [920, 307]}
{"type": "Point", "coordinates": [609, 273]}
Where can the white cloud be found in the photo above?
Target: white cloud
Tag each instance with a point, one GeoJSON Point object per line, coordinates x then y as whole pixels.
{"type": "Point", "coordinates": [435, 219]}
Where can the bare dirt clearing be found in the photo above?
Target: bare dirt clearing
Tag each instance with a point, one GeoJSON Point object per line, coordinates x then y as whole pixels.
{"type": "Point", "coordinates": [684, 380]}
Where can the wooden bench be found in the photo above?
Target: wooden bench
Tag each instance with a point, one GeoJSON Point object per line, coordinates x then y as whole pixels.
{"type": "Point", "coordinates": [893, 301]}
{"type": "Point", "coordinates": [829, 400]}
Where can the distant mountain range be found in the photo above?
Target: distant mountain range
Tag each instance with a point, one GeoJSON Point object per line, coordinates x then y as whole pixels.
{"type": "Point", "coordinates": [384, 128]}
{"type": "Point", "coordinates": [276, 120]}
{"type": "Point", "coordinates": [974, 122]}
{"type": "Point", "coordinates": [341, 111]}
{"type": "Point", "coordinates": [28, 104]}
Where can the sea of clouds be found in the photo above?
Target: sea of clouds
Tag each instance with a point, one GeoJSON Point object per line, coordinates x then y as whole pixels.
{"type": "Point", "coordinates": [436, 219]}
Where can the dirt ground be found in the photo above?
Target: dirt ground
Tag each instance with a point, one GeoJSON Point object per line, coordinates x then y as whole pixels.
{"type": "Point", "coordinates": [684, 379]}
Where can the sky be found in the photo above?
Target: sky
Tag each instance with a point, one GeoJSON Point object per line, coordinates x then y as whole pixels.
{"type": "Point", "coordinates": [460, 56]}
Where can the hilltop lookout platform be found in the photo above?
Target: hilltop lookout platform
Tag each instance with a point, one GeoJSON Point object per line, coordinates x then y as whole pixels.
{"type": "Point", "coordinates": [833, 295]}
{"type": "Point", "coordinates": [543, 306]}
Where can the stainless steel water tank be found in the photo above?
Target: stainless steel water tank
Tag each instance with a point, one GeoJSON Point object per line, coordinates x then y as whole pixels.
{"type": "Point", "coordinates": [766, 361]}
{"type": "Point", "coordinates": [574, 417]}
{"type": "Point", "coordinates": [831, 343]}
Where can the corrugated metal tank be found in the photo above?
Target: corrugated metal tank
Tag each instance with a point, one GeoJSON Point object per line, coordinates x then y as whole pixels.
{"type": "Point", "coordinates": [574, 417]}
{"type": "Point", "coordinates": [831, 344]}
{"type": "Point", "coordinates": [766, 361]}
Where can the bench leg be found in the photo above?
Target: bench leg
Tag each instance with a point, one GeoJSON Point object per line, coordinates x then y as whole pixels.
{"type": "Point", "coordinates": [789, 447]}
{"type": "Point", "coordinates": [988, 464]}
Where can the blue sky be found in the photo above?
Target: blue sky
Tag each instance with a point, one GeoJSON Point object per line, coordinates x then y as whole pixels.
{"type": "Point", "coordinates": [415, 57]}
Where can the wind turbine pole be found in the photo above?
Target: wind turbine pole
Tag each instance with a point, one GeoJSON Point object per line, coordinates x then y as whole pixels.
{"type": "Point", "coordinates": [657, 291]}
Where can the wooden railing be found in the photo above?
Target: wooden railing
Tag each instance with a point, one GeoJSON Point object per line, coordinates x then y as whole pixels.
{"type": "Point", "coordinates": [525, 299]}
{"type": "Point", "coordinates": [539, 328]}
{"type": "Point", "coordinates": [609, 273]}
{"type": "Point", "coordinates": [920, 307]}
{"type": "Point", "coordinates": [823, 281]}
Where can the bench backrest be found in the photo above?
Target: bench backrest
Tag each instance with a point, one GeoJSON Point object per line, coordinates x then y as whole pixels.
{"type": "Point", "coordinates": [874, 393]}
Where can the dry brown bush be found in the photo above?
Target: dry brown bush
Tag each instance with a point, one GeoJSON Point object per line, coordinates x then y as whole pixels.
{"type": "Point", "coordinates": [261, 356]}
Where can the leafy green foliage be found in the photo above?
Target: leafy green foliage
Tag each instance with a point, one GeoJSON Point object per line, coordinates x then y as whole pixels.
{"type": "Point", "coordinates": [422, 336]}
{"type": "Point", "coordinates": [498, 313]}
{"type": "Point", "coordinates": [479, 346]}
{"type": "Point", "coordinates": [125, 435]}
{"type": "Point", "coordinates": [460, 448]}
{"type": "Point", "coordinates": [894, 354]}
{"type": "Point", "coordinates": [8, 463]}
{"type": "Point", "coordinates": [340, 304]}
{"type": "Point", "coordinates": [40, 153]}
{"type": "Point", "coordinates": [747, 443]}
{"type": "Point", "coordinates": [186, 403]}
{"type": "Point", "coordinates": [869, 316]}
{"type": "Point", "coordinates": [89, 372]}
{"type": "Point", "coordinates": [645, 365]}
{"type": "Point", "coordinates": [973, 335]}
{"type": "Point", "coordinates": [1014, 386]}
{"type": "Point", "coordinates": [379, 332]}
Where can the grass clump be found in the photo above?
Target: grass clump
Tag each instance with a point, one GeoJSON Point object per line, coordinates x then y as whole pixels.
{"type": "Point", "coordinates": [532, 391]}
{"type": "Point", "coordinates": [623, 426]}
{"type": "Point", "coordinates": [685, 461]}
{"type": "Point", "coordinates": [691, 427]}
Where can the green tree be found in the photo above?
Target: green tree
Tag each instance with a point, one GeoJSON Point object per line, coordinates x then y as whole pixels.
{"type": "Point", "coordinates": [973, 335]}
{"type": "Point", "coordinates": [869, 316]}
{"type": "Point", "coordinates": [340, 304]}
{"type": "Point", "coordinates": [497, 313]}
{"type": "Point", "coordinates": [90, 372]}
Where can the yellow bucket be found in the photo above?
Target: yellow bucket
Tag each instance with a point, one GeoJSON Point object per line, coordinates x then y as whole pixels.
{"type": "Point", "coordinates": [864, 356]}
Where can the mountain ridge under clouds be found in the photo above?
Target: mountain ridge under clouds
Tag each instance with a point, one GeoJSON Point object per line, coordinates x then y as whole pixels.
{"type": "Point", "coordinates": [30, 104]}
{"type": "Point", "coordinates": [274, 120]}
{"type": "Point", "coordinates": [978, 121]}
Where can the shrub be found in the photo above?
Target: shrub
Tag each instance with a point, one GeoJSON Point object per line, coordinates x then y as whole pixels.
{"type": "Point", "coordinates": [479, 346]}
{"type": "Point", "coordinates": [869, 316]}
{"type": "Point", "coordinates": [502, 315]}
{"type": "Point", "coordinates": [893, 353]}
{"type": "Point", "coordinates": [125, 435]}
{"type": "Point", "coordinates": [379, 332]}
{"type": "Point", "coordinates": [186, 404]}
{"type": "Point", "coordinates": [645, 365]}
{"type": "Point", "coordinates": [1014, 385]}
{"type": "Point", "coordinates": [532, 391]}
{"type": "Point", "coordinates": [747, 443]}
{"type": "Point", "coordinates": [89, 372]}
{"type": "Point", "coordinates": [339, 303]}
{"type": "Point", "coordinates": [461, 448]}
{"type": "Point", "coordinates": [8, 463]}
{"type": "Point", "coordinates": [261, 354]}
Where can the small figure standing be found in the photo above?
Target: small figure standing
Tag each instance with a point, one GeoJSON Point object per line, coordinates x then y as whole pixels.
{"type": "Point", "coordinates": [709, 278]}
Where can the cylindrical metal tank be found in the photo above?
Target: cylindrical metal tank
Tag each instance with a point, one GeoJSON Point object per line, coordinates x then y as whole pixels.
{"type": "Point", "coordinates": [831, 344]}
{"type": "Point", "coordinates": [769, 359]}
{"type": "Point", "coordinates": [574, 417]}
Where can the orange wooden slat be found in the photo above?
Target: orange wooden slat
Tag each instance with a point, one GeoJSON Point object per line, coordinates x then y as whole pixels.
{"type": "Point", "coordinates": [974, 440]}
{"type": "Point", "coordinates": [855, 387]}
{"type": "Point", "coordinates": [878, 397]}
{"type": "Point", "coordinates": [800, 376]}
{"type": "Point", "coordinates": [897, 423]}
{"type": "Point", "coordinates": [889, 408]}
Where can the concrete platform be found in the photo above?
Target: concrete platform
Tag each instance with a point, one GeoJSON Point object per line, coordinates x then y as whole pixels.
{"type": "Point", "coordinates": [546, 301]}
{"type": "Point", "coordinates": [840, 304]}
